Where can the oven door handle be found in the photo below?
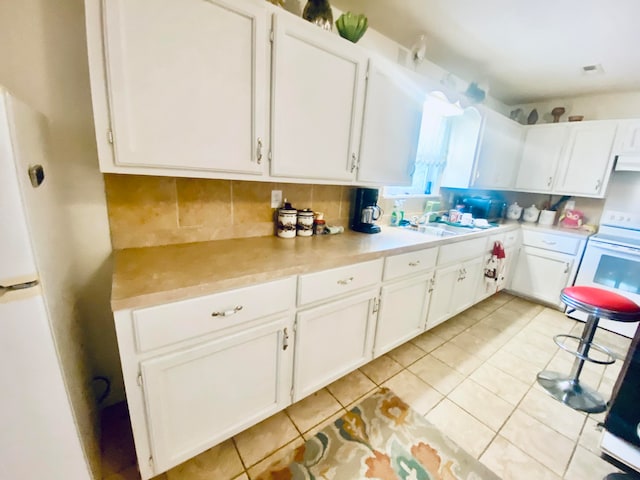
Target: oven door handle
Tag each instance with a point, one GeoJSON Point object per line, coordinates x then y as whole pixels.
{"type": "Point", "coordinates": [615, 248]}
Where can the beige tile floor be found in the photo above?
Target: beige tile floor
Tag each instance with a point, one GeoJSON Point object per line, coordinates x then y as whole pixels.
{"type": "Point", "coordinates": [473, 377]}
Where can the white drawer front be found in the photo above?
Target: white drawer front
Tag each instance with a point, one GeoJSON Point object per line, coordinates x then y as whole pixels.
{"type": "Point", "coordinates": [457, 252]}
{"type": "Point", "coordinates": [550, 241]}
{"type": "Point", "coordinates": [173, 322]}
{"type": "Point", "coordinates": [330, 283]}
{"type": "Point", "coordinates": [409, 263]}
{"type": "Point", "coordinates": [511, 238]}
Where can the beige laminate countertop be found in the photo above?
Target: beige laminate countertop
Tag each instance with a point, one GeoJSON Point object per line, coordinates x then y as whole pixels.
{"type": "Point", "coordinates": [154, 275]}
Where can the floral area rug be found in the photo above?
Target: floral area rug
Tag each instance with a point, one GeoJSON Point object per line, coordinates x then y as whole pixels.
{"type": "Point", "coordinates": [381, 438]}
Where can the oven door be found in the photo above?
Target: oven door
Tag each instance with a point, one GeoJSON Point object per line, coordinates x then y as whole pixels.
{"type": "Point", "coordinates": [615, 268]}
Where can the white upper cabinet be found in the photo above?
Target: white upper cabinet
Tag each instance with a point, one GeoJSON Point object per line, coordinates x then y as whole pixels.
{"type": "Point", "coordinates": [540, 156]}
{"type": "Point", "coordinates": [318, 82]}
{"type": "Point", "coordinates": [499, 152]}
{"type": "Point", "coordinates": [465, 129]}
{"type": "Point", "coordinates": [391, 125]}
{"type": "Point", "coordinates": [628, 140]}
{"type": "Point", "coordinates": [186, 84]}
{"type": "Point", "coordinates": [587, 159]}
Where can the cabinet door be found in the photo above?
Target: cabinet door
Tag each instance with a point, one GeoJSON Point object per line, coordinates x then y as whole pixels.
{"type": "Point", "coordinates": [332, 340]}
{"type": "Point", "coordinates": [587, 160]}
{"type": "Point", "coordinates": [464, 293]}
{"type": "Point", "coordinates": [540, 156]}
{"type": "Point", "coordinates": [541, 274]}
{"type": "Point", "coordinates": [403, 312]}
{"type": "Point", "coordinates": [465, 130]}
{"type": "Point", "coordinates": [197, 397]}
{"type": "Point", "coordinates": [442, 298]}
{"type": "Point", "coordinates": [628, 141]}
{"type": "Point", "coordinates": [499, 152]}
{"type": "Point", "coordinates": [318, 84]}
{"type": "Point", "coordinates": [187, 83]}
{"type": "Point", "coordinates": [391, 126]}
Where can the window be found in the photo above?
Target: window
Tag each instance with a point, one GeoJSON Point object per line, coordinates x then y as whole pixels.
{"type": "Point", "coordinates": [433, 147]}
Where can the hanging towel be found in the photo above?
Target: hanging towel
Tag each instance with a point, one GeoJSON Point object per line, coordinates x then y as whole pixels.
{"type": "Point", "coordinates": [494, 269]}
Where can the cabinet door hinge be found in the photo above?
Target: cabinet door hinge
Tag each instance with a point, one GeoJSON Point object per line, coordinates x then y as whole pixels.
{"type": "Point", "coordinates": [295, 326]}
{"type": "Point", "coordinates": [110, 136]}
{"type": "Point", "coordinates": [139, 379]}
{"type": "Point", "coordinates": [271, 36]}
{"type": "Point", "coordinates": [285, 339]}
{"type": "Point", "coordinates": [269, 156]}
{"type": "Point", "coordinates": [151, 462]}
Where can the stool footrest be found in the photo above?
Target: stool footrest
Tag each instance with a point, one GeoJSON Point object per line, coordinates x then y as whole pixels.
{"type": "Point", "coordinates": [571, 392]}
{"type": "Point", "coordinates": [559, 340]}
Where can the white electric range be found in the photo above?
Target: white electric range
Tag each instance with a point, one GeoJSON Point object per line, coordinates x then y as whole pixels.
{"type": "Point", "coordinates": [611, 260]}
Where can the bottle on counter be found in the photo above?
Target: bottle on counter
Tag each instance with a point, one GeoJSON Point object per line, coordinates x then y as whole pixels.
{"type": "Point", "coordinates": [397, 214]}
{"type": "Point", "coordinates": [319, 224]}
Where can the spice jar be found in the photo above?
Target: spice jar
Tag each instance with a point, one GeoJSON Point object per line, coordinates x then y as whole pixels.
{"type": "Point", "coordinates": [287, 220]}
{"type": "Point", "coordinates": [319, 224]}
{"type": "Point", "coordinates": [305, 222]}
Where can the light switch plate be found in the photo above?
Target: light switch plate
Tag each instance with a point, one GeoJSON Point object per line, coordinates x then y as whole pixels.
{"type": "Point", "coordinates": [276, 198]}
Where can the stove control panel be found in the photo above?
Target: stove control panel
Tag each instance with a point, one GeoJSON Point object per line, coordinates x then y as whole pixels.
{"type": "Point", "coordinates": [615, 218]}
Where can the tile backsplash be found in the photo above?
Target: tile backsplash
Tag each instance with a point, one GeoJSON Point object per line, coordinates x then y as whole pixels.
{"type": "Point", "coordinates": [148, 211]}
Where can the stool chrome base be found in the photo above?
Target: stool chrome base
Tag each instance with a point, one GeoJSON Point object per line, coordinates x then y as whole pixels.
{"type": "Point", "coordinates": [571, 392]}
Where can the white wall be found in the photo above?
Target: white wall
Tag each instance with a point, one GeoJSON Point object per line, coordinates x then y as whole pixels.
{"type": "Point", "coordinates": [43, 62]}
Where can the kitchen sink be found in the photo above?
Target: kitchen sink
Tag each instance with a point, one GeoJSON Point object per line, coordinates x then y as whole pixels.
{"type": "Point", "coordinates": [444, 230]}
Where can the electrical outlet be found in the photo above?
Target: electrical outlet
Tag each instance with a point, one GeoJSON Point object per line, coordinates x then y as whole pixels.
{"type": "Point", "coordinates": [276, 198]}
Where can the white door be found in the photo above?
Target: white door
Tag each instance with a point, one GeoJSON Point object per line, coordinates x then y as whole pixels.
{"type": "Point", "coordinates": [499, 152]}
{"type": "Point", "coordinates": [540, 156]}
{"type": "Point", "coordinates": [391, 126]}
{"type": "Point", "coordinates": [200, 396]}
{"type": "Point", "coordinates": [587, 159]}
{"type": "Point", "coordinates": [318, 84]}
{"type": "Point", "coordinates": [541, 274]}
{"type": "Point", "coordinates": [187, 83]}
{"type": "Point", "coordinates": [442, 298]}
{"type": "Point", "coordinates": [331, 341]}
{"type": "Point", "coordinates": [403, 312]}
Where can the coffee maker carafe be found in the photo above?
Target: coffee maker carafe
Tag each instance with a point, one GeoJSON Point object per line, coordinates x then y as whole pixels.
{"type": "Point", "coordinates": [365, 211]}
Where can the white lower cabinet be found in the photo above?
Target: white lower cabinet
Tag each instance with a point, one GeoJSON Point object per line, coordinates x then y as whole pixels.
{"type": "Point", "coordinates": [541, 274]}
{"type": "Point", "coordinates": [403, 312]}
{"type": "Point", "coordinates": [202, 395]}
{"type": "Point", "coordinates": [547, 262]}
{"type": "Point", "coordinates": [454, 290]}
{"type": "Point", "coordinates": [331, 340]}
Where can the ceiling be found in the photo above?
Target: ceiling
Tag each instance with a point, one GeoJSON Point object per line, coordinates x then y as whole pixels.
{"type": "Point", "coordinates": [523, 51]}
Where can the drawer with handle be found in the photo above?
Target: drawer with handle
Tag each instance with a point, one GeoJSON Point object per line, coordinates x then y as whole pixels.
{"type": "Point", "coordinates": [313, 287]}
{"type": "Point", "coordinates": [550, 241]}
{"type": "Point", "coordinates": [409, 263]}
{"type": "Point", "coordinates": [169, 323]}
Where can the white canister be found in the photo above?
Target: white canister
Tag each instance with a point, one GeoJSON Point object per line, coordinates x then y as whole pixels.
{"type": "Point", "coordinates": [287, 220]}
{"type": "Point", "coordinates": [305, 223]}
{"type": "Point", "coordinates": [547, 217]}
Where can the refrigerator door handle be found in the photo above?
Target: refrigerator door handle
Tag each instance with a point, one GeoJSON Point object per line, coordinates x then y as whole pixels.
{"type": "Point", "coordinates": [17, 286]}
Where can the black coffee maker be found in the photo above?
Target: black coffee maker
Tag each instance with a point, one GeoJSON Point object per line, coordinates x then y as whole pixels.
{"type": "Point", "coordinates": [365, 210]}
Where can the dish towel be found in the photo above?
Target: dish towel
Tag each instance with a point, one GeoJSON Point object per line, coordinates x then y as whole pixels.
{"type": "Point", "coordinates": [494, 270]}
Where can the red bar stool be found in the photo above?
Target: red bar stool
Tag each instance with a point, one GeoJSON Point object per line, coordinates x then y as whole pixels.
{"type": "Point", "coordinates": [597, 303]}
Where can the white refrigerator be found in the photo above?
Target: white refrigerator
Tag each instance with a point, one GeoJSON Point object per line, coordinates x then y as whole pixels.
{"type": "Point", "coordinates": [38, 433]}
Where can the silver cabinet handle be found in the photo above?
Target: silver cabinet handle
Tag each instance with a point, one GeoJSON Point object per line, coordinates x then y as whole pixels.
{"type": "Point", "coordinates": [353, 162]}
{"type": "Point", "coordinates": [598, 184]}
{"type": "Point", "coordinates": [566, 267]}
{"type": "Point", "coordinates": [549, 181]}
{"type": "Point", "coordinates": [285, 339]}
{"type": "Point", "coordinates": [345, 281]}
{"type": "Point", "coordinates": [259, 151]}
{"type": "Point", "coordinates": [227, 313]}
{"type": "Point", "coordinates": [414, 264]}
